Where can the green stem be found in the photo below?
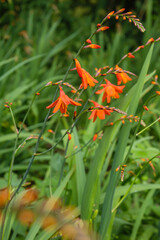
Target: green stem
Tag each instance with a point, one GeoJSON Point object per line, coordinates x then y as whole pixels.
{"type": "Point", "coordinates": [11, 168]}
{"type": "Point", "coordinates": [129, 189]}
{"type": "Point", "coordinates": [14, 122]}
{"type": "Point", "coordinates": [148, 127]}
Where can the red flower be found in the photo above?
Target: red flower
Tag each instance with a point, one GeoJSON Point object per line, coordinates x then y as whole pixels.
{"type": "Point", "coordinates": [62, 102]}
{"type": "Point", "coordinates": [99, 112]}
{"type": "Point", "coordinates": [110, 90]}
{"type": "Point", "coordinates": [87, 79]}
{"type": "Point", "coordinates": [121, 75]}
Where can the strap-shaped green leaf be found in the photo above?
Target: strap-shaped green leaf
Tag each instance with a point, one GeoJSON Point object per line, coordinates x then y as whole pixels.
{"type": "Point", "coordinates": [120, 149]}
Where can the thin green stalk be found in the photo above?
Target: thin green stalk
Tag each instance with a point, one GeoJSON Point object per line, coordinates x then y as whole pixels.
{"type": "Point", "coordinates": [11, 167]}
{"type": "Point", "coordinates": [13, 156]}
{"type": "Point", "coordinates": [148, 126]}
{"type": "Point", "coordinates": [137, 128]}
{"type": "Point", "coordinates": [16, 141]}
{"type": "Point", "coordinates": [129, 189]}
{"type": "Point", "coordinates": [13, 118]}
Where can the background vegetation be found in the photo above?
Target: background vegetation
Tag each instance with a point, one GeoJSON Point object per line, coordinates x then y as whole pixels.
{"type": "Point", "coordinates": [38, 41]}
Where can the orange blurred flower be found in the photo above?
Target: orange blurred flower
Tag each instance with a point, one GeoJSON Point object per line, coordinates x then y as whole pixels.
{"type": "Point", "coordinates": [95, 137]}
{"type": "Point", "coordinates": [121, 75]}
{"type": "Point", "coordinates": [29, 196]}
{"type": "Point", "coordinates": [49, 221]}
{"type": "Point", "coordinates": [99, 112]}
{"type": "Point", "coordinates": [69, 231]}
{"type": "Point", "coordinates": [4, 196]}
{"type": "Point", "coordinates": [110, 90]}
{"type": "Point", "coordinates": [145, 107]}
{"type": "Point", "coordinates": [87, 79]}
{"type": "Point", "coordinates": [26, 217]}
{"type": "Point", "coordinates": [62, 102]}
{"type": "Point", "coordinates": [69, 136]}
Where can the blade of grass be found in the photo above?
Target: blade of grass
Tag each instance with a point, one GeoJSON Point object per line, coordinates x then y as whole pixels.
{"type": "Point", "coordinates": [15, 68]}
{"type": "Point", "coordinates": [121, 190]}
{"type": "Point", "coordinates": [141, 213]}
{"type": "Point", "coordinates": [59, 47]}
{"type": "Point", "coordinates": [120, 150]}
{"type": "Point", "coordinates": [80, 170]}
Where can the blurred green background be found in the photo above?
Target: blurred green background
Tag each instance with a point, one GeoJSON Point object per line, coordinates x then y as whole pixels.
{"type": "Point", "coordinates": [38, 40]}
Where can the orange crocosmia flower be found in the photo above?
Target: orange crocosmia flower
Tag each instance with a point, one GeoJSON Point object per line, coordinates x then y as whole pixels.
{"type": "Point", "coordinates": [110, 90]}
{"type": "Point", "coordinates": [62, 102]}
{"type": "Point", "coordinates": [101, 112]}
{"type": "Point", "coordinates": [121, 75]}
{"type": "Point", "coordinates": [86, 78]}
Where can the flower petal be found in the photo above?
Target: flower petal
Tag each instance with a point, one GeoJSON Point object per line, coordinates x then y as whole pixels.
{"type": "Point", "coordinates": [101, 114]}
{"type": "Point", "coordinates": [78, 67]}
{"type": "Point", "coordinates": [57, 107]}
{"type": "Point", "coordinates": [52, 104]}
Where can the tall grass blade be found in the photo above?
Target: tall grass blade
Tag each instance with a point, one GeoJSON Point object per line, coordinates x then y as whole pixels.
{"type": "Point", "coordinates": [141, 213]}
{"type": "Point", "coordinates": [80, 170]}
{"type": "Point", "coordinates": [122, 143]}
{"type": "Point", "coordinates": [20, 65]}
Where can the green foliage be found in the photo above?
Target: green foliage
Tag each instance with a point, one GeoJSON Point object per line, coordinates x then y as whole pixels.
{"type": "Point", "coordinates": [37, 46]}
